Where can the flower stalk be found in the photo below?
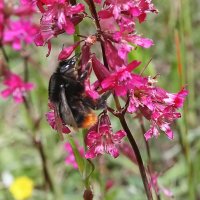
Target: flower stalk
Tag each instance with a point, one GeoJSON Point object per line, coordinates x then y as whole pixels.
{"type": "Point", "coordinates": [121, 117]}
{"type": "Point", "coordinates": [135, 149]}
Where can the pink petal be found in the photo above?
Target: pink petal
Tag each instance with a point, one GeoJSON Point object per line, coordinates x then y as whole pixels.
{"type": "Point", "coordinates": [135, 11]}
{"type": "Point", "coordinates": [134, 64]}
{"type": "Point", "coordinates": [66, 52]}
{"type": "Point", "coordinates": [39, 40]}
{"type": "Point", "coordinates": [167, 192]}
{"type": "Point", "coordinates": [148, 135]}
{"type": "Point", "coordinates": [90, 153]}
{"type": "Point", "coordinates": [18, 99]}
{"type": "Point", "coordinates": [112, 150]}
{"type": "Point", "coordinates": [119, 135]}
{"type": "Point", "coordinates": [69, 27]}
{"type": "Point", "coordinates": [121, 90]}
{"type": "Point", "coordinates": [143, 42]}
{"type": "Point", "coordinates": [77, 9]}
{"type": "Point", "coordinates": [100, 70]}
{"type": "Point", "coordinates": [5, 93]}
{"type": "Point", "coordinates": [103, 14]}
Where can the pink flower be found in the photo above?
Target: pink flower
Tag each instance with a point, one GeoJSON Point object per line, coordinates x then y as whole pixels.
{"type": "Point", "coordinates": [101, 139]}
{"type": "Point", "coordinates": [114, 60]}
{"type": "Point", "coordinates": [157, 187]}
{"type": "Point", "coordinates": [156, 105]}
{"type": "Point", "coordinates": [128, 9]}
{"type": "Point", "coordinates": [67, 51]}
{"type": "Point", "coordinates": [16, 87]}
{"type": "Point", "coordinates": [57, 17]}
{"type": "Point", "coordinates": [25, 8]}
{"type": "Point", "coordinates": [51, 119]}
{"type": "Point", "coordinates": [90, 89]}
{"type": "Point", "coordinates": [125, 38]}
{"type": "Point", "coordinates": [18, 32]}
{"type": "Point", "coordinates": [70, 158]}
{"type": "Point", "coordinates": [100, 70]}
{"type": "Point", "coordinates": [121, 80]}
{"type": "Point", "coordinates": [176, 100]}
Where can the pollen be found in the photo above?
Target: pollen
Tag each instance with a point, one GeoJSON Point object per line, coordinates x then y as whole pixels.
{"type": "Point", "coordinates": [89, 120]}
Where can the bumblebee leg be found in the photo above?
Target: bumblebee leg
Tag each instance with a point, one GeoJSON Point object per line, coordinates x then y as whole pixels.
{"type": "Point", "coordinates": [98, 103]}
{"type": "Point", "coordinates": [87, 71]}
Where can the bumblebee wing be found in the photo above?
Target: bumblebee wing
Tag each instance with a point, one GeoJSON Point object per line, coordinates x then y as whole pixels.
{"type": "Point", "coordinates": [65, 111]}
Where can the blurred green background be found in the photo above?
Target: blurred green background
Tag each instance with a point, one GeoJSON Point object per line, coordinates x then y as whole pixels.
{"type": "Point", "coordinates": [175, 57]}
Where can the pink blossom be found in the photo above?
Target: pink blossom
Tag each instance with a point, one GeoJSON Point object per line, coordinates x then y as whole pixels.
{"type": "Point", "coordinates": [118, 22]}
{"type": "Point", "coordinates": [129, 9]}
{"type": "Point", "coordinates": [67, 51]}
{"type": "Point", "coordinates": [156, 104]}
{"type": "Point", "coordinates": [25, 8]}
{"type": "Point", "coordinates": [121, 80]}
{"type": "Point", "coordinates": [157, 187]}
{"type": "Point", "coordinates": [51, 119]}
{"type": "Point", "coordinates": [18, 32]}
{"type": "Point", "coordinates": [57, 17]}
{"type": "Point", "coordinates": [70, 158]}
{"type": "Point", "coordinates": [113, 58]}
{"type": "Point", "coordinates": [101, 139]}
{"type": "Point", "coordinates": [176, 100]}
{"type": "Point", "coordinates": [100, 70]}
{"type": "Point", "coordinates": [90, 89]}
{"type": "Point", "coordinates": [125, 38]}
{"type": "Point", "coordinates": [16, 87]}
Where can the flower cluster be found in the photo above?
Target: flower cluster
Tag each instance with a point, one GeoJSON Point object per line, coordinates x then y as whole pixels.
{"type": "Point", "coordinates": [17, 30]}
{"type": "Point", "coordinates": [15, 87]}
{"type": "Point", "coordinates": [100, 139]}
{"type": "Point", "coordinates": [58, 16]}
{"type": "Point", "coordinates": [17, 27]}
{"type": "Point", "coordinates": [116, 24]}
{"type": "Point", "coordinates": [156, 104]}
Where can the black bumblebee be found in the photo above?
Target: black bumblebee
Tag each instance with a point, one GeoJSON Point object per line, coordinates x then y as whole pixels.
{"type": "Point", "coordinates": [67, 93]}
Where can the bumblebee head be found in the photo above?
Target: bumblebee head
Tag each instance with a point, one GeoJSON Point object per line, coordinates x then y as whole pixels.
{"type": "Point", "coordinates": [70, 66]}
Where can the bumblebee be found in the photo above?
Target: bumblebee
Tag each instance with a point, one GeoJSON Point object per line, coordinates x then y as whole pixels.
{"type": "Point", "coordinates": [67, 93]}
